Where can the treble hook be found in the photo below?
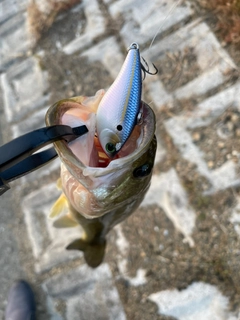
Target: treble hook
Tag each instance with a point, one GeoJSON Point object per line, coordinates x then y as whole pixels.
{"type": "Point", "coordinates": [146, 70]}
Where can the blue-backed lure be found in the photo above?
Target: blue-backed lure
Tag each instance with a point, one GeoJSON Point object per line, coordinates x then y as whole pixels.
{"type": "Point", "coordinates": [119, 111]}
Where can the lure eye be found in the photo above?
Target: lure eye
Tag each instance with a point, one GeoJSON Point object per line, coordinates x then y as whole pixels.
{"type": "Point", "coordinates": [110, 147]}
{"type": "Point", "coordinates": [142, 171]}
{"type": "Point", "coordinates": [119, 127]}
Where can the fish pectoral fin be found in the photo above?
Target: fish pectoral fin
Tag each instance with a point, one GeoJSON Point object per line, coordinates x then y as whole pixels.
{"type": "Point", "coordinates": [59, 183]}
{"type": "Point", "coordinates": [65, 222]}
{"type": "Point", "coordinates": [59, 206]}
{"type": "Point", "coordinates": [93, 252]}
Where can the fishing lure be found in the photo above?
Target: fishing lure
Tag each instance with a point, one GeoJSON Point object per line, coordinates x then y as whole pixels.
{"type": "Point", "coordinates": [119, 111]}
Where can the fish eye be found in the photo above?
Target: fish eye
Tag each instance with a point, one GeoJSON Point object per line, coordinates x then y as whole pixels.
{"type": "Point", "coordinates": [142, 171]}
{"type": "Point", "coordinates": [110, 147]}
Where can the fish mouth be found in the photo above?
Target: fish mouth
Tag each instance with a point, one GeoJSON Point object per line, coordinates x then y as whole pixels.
{"type": "Point", "coordinates": [85, 153]}
{"type": "Point", "coordinates": [94, 184]}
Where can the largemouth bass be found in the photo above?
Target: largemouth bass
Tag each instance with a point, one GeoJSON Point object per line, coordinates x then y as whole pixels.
{"type": "Point", "coordinates": [99, 193]}
{"type": "Point", "coordinates": [105, 173]}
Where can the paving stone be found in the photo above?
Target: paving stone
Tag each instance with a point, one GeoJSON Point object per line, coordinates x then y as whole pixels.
{"type": "Point", "coordinates": [85, 293]}
{"type": "Point", "coordinates": [48, 243]}
{"type": "Point", "coordinates": [46, 6]}
{"type": "Point", "coordinates": [108, 52]}
{"type": "Point", "coordinates": [140, 278]}
{"type": "Point", "coordinates": [203, 115]}
{"type": "Point", "coordinates": [205, 82]}
{"type": "Point", "coordinates": [224, 177]}
{"type": "Point", "coordinates": [33, 122]}
{"type": "Point", "coordinates": [95, 26]}
{"type": "Point", "coordinates": [143, 21]}
{"type": "Point", "coordinates": [24, 89]}
{"type": "Point", "coordinates": [215, 65]}
{"type": "Point", "coordinates": [123, 248]}
{"type": "Point", "coordinates": [199, 301]}
{"type": "Point", "coordinates": [183, 140]}
{"type": "Point", "coordinates": [195, 35]}
{"type": "Point", "coordinates": [161, 152]}
{"type": "Point", "coordinates": [157, 92]}
{"type": "Point", "coordinates": [167, 192]}
{"type": "Point", "coordinates": [235, 217]}
{"type": "Point", "coordinates": [121, 257]}
{"type": "Point", "coordinates": [214, 106]}
{"type": "Point", "coordinates": [9, 8]}
{"type": "Point", "coordinates": [14, 39]}
{"type": "Point", "coordinates": [44, 172]}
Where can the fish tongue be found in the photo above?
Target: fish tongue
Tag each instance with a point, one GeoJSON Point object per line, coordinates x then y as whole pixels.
{"type": "Point", "coordinates": [83, 147]}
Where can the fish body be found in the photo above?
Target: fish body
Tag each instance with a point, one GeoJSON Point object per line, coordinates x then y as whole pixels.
{"type": "Point", "coordinates": [119, 109]}
{"type": "Point", "coordinates": [98, 192]}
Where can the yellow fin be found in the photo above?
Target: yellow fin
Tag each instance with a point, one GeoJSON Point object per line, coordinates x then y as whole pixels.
{"type": "Point", "coordinates": [59, 183]}
{"type": "Point", "coordinates": [65, 222]}
{"type": "Point", "coordinates": [59, 206]}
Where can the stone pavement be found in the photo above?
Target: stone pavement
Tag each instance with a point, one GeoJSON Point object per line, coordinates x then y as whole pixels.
{"type": "Point", "coordinates": [194, 72]}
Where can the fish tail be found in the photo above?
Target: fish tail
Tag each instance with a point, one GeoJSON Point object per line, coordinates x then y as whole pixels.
{"type": "Point", "coordinates": [93, 252]}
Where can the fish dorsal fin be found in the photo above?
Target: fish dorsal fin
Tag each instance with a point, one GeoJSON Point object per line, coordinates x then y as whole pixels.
{"type": "Point", "coordinates": [59, 206]}
{"type": "Point", "coordinates": [65, 222]}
